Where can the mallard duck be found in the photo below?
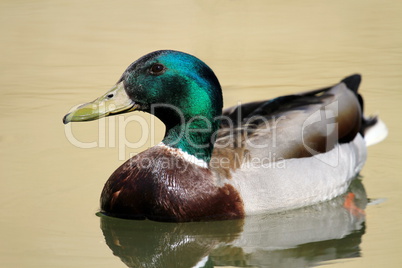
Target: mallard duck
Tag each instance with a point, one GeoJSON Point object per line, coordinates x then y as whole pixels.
{"type": "Point", "coordinates": [260, 157]}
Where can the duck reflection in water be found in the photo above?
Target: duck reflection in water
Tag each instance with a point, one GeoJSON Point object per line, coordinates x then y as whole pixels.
{"type": "Point", "coordinates": [299, 238]}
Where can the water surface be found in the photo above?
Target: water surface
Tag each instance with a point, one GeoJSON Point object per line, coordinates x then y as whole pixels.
{"type": "Point", "coordinates": [55, 55]}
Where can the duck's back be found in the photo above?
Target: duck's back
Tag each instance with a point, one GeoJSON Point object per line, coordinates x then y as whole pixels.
{"type": "Point", "coordinates": [295, 150]}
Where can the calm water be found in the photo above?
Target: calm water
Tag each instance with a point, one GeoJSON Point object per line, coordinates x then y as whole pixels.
{"type": "Point", "coordinates": [56, 54]}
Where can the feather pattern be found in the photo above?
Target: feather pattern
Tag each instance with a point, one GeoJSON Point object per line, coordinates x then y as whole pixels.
{"type": "Point", "coordinates": [263, 156]}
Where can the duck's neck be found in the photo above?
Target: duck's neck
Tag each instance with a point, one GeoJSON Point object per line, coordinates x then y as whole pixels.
{"type": "Point", "coordinates": [191, 115]}
{"type": "Point", "coordinates": [195, 137]}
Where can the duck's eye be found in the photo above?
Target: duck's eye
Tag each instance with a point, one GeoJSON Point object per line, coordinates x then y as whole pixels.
{"type": "Point", "coordinates": [157, 69]}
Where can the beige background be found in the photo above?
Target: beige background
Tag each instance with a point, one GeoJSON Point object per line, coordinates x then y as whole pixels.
{"type": "Point", "coordinates": [56, 54]}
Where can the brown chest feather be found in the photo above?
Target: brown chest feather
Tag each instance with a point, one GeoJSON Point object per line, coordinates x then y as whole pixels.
{"type": "Point", "coordinates": [159, 185]}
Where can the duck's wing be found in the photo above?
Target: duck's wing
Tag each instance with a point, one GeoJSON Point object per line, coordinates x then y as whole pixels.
{"type": "Point", "coordinates": [292, 126]}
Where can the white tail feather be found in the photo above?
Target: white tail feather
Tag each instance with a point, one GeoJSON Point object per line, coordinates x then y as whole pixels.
{"type": "Point", "coordinates": [376, 133]}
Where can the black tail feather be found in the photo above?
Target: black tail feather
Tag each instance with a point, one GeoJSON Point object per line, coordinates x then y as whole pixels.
{"type": "Point", "coordinates": [353, 82]}
{"type": "Point", "coordinates": [367, 123]}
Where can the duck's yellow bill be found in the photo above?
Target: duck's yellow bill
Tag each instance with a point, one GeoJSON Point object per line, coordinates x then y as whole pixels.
{"type": "Point", "coordinates": [115, 101]}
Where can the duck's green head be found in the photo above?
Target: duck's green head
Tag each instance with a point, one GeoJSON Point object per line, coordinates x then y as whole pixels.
{"type": "Point", "coordinates": [181, 90]}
